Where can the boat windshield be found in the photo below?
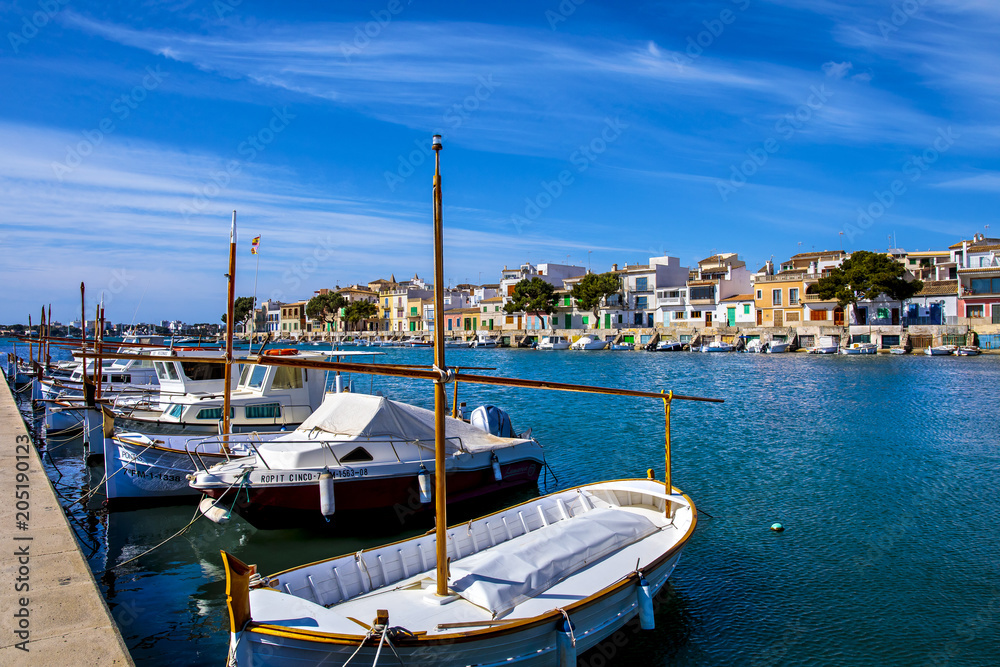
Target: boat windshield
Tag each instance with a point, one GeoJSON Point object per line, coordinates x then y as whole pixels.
{"type": "Point", "coordinates": [253, 377]}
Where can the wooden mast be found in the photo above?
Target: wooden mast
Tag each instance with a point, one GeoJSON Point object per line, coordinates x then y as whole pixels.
{"type": "Point", "coordinates": [440, 397]}
{"type": "Point", "coordinates": [230, 307]}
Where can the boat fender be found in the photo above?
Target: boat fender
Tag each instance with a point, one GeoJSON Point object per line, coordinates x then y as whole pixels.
{"type": "Point", "coordinates": [645, 599]}
{"type": "Point", "coordinates": [424, 482]}
{"type": "Point", "coordinates": [213, 512]}
{"type": "Point", "coordinates": [497, 474]}
{"type": "Point", "coordinates": [566, 643]}
{"type": "Point", "coordinates": [327, 504]}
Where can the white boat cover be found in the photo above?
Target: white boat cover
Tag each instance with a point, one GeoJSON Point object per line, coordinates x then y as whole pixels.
{"type": "Point", "coordinates": [349, 416]}
{"type": "Point", "coordinates": [535, 562]}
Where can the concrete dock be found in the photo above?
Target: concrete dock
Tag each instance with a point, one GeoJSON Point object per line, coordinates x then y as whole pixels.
{"type": "Point", "coordinates": [53, 612]}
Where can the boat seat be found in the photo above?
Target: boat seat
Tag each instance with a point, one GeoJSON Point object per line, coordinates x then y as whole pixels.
{"type": "Point", "coordinates": [533, 562]}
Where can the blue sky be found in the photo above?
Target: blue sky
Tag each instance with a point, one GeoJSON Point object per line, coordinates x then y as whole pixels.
{"type": "Point", "coordinates": [591, 131]}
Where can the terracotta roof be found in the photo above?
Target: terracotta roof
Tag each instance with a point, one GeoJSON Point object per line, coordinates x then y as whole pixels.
{"type": "Point", "coordinates": [938, 288]}
{"type": "Point", "coordinates": [984, 248]}
{"type": "Point", "coordinates": [979, 269]}
{"type": "Point", "coordinates": [697, 283]}
{"type": "Point", "coordinates": [493, 299]}
{"type": "Point", "coordinates": [739, 297]}
{"type": "Point", "coordinates": [824, 253]}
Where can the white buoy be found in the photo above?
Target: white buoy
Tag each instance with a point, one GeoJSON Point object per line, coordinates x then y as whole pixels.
{"type": "Point", "coordinates": [424, 482]}
{"type": "Point", "coordinates": [497, 474]}
{"type": "Point", "coordinates": [327, 505]}
{"type": "Point", "coordinates": [645, 600]}
{"type": "Point", "coordinates": [213, 512]}
{"type": "Point", "coordinates": [565, 645]}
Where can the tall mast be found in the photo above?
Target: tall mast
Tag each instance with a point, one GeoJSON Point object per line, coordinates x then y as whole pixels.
{"type": "Point", "coordinates": [230, 307]}
{"type": "Point", "coordinates": [440, 397]}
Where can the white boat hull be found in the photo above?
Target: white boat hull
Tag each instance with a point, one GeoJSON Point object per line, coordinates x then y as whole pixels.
{"type": "Point", "coordinates": [829, 349]}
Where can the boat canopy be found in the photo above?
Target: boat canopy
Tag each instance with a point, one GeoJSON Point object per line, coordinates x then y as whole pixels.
{"type": "Point", "coordinates": [361, 416]}
{"type": "Point", "coordinates": [540, 559]}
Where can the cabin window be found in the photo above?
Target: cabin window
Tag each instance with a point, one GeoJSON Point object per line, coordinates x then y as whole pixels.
{"type": "Point", "coordinates": [357, 455]}
{"type": "Point", "coordinates": [287, 378]}
{"type": "Point", "coordinates": [121, 378]}
{"type": "Point", "coordinates": [165, 371]}
{"type": "Point", "coordinates": [175, 411]}
{"type": "Point", "coordinates": [256, 377]}
{"type": "Point", "coordinates": [195, 370]}
{"type": "Point", "coordinates": [215, 414]}
{"type": "Point", "coordinates": [264, 411]}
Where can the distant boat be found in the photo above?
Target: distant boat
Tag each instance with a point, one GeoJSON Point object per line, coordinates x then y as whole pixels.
{"type": "Point", "coordinates": [825, 345]}
{"type": "Point", "coordinates": [620, 346]}
{"type": "Point", "coordinates": [457, 342]}
{"type": "Point", "coordinates": [588, 342]}
{"type": "Point", "coordinates": [484, 340]}
{"type": "Point", "coordinates": [777, 346]}
{"type": "Point", "coordinates": [553, 343]}
{"type": "Point", "coordinates": [940, 350]}
{"type": "Point", "coordinates": [669, 346]}
{"type": "Point", "coordinates": [860, 348]}
{"type": "Point", "coordinates": [415, 341]}
{"type": "Point", "coordinates": [897, 350]}
{"type": "Point", "coordinates": [718, 346]}
{"type": "Point", "coordinates": [967, 351]}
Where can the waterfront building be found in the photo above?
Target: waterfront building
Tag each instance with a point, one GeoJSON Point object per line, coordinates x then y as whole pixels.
{"type": "Point", "coordinates": [716, 278]}
{"type": "Point", "coordinates": [978, 271]}
{"type": "Point", "coordinates": [935, 304]}
{"type": "Point", "coordinates": [353, 294]}
{"type": "Point", "coordinates": [293, 319]}
{"type": "Point", "coordinates": [737, 311]}
{"type": "Point", "coordinates": [787, 298]}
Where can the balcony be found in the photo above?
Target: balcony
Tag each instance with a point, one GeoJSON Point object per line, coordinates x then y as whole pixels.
{"type": "Point", "coordinates": [710, 301]}
{"type": "Point", "coordinates": [671, 301]}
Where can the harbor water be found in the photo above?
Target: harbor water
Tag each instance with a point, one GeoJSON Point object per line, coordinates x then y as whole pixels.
{"type": "Point", "coordinates": [882, 469]}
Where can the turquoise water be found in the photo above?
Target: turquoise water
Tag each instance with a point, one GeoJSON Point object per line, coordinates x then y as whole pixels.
{"type": "Point", "coordinates": [883, 470]}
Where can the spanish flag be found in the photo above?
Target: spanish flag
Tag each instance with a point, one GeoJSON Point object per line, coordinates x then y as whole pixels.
{"type": "Point", "coordinates": [254, 244]}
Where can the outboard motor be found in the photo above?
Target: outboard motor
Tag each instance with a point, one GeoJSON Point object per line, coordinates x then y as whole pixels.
{"type": "Point", "coordinates": [493, 420]}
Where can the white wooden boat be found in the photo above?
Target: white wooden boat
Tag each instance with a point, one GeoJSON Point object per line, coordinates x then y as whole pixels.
{"type": "Point", "coordinates": [859, 348]}
{"type": "Point", "coordinates": [589, 342]}
{"type": "Point", "coordinates": [376, 451]}
{"type": "Point", "coordinates": [756, 346]}
{"type": "Point", "coordinates": [825, 345]}
{"type": "Point", "coordinates": [484, 340]}
{"type": "Point", "coordinates": [553, 343]}
{"type": "Point", "coordinates": [940, 350]}
{"type": "Point", "coordinates": [897, 350]}
{"type": "Point", "coordinates": [415, 341]}
{"type": "Point", "coordinates": [717, 346]}
{"type": "Point", "coordinates": [620, 346]}
{"type": "Point", "coordinates": [590, 556]}
{"type": "Point", "coordinates": [967, 351]}
{"type": "Point", "coordinates": [669, 346]}
{"type": "Point", "coordinates": [777, 346]}
{"type": "Point", "coordinates": [456, 342]}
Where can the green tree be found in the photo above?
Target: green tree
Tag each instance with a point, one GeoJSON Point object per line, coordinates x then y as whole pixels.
{"type": "Point", "coordinates": [535, 297]}
{"type": "Point", "coordinates": [359, 311]}
{"type": "Point", "coordinates": [592, 289]}
{"type": "Point", "coordinates": [864, 276]}
{"type": "Point", "coordinates": [242, 310]}
{"type": "Point", "coordinates": [325, 307]}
